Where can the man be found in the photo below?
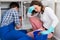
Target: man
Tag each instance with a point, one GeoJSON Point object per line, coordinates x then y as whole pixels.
{"type": "Point", "coordinates": [10, 21]}
{"type": "Point", "coordinates": [8, 17]}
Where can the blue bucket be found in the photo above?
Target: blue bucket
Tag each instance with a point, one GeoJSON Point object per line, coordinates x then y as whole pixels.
{"type": "Point", "coordinates": [40, 36]}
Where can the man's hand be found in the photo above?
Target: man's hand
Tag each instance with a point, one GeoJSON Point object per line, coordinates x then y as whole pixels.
{"type": "Point", "coordinates": [18, 27]}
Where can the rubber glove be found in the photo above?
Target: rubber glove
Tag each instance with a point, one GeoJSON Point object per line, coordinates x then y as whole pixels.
{"type": "Point", "coordinates": [51, 29]}
{"type": "Point", "coordinates": [30, 9]}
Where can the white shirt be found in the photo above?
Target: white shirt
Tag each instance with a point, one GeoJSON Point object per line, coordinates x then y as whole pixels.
{"type": "Point", "coordinates": [49, 18]}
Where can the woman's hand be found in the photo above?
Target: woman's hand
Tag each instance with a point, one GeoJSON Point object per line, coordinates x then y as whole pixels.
{"type": "Point", "coordinates": [30, 9]}
{"type": "Point", "coordinates": [45, 32]}
{"type": "Point", "coordinates": [51, 29]}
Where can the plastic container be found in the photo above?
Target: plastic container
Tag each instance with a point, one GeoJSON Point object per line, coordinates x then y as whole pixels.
{"type": "Point", "coordinates": [40, 36]}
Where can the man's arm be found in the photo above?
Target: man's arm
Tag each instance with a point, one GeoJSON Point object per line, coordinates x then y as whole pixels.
{"type": "Point", "coordinates": [16, 19]}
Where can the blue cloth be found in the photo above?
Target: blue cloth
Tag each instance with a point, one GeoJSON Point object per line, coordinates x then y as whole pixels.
{"type": "Point", "coordinates": [25, 38]}
{"type": "Point", "coordinates": [40, 36]}
{"type": "Point", "coordinates": [16, 35]}
{"type": "Point", "coordinates": [24, 31]}
{"type": "Point", "coordinates": [7, 29]}
{"type": "Point", "coordinates": [36, 32]}
{"type": "Point", "coordinates": [9, 33]}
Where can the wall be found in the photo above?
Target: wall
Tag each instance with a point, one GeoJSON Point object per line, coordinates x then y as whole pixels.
{"type": "Point", "coordinates": [6, 5]}
{"type": "Point", "coordinates": [57, 29]}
